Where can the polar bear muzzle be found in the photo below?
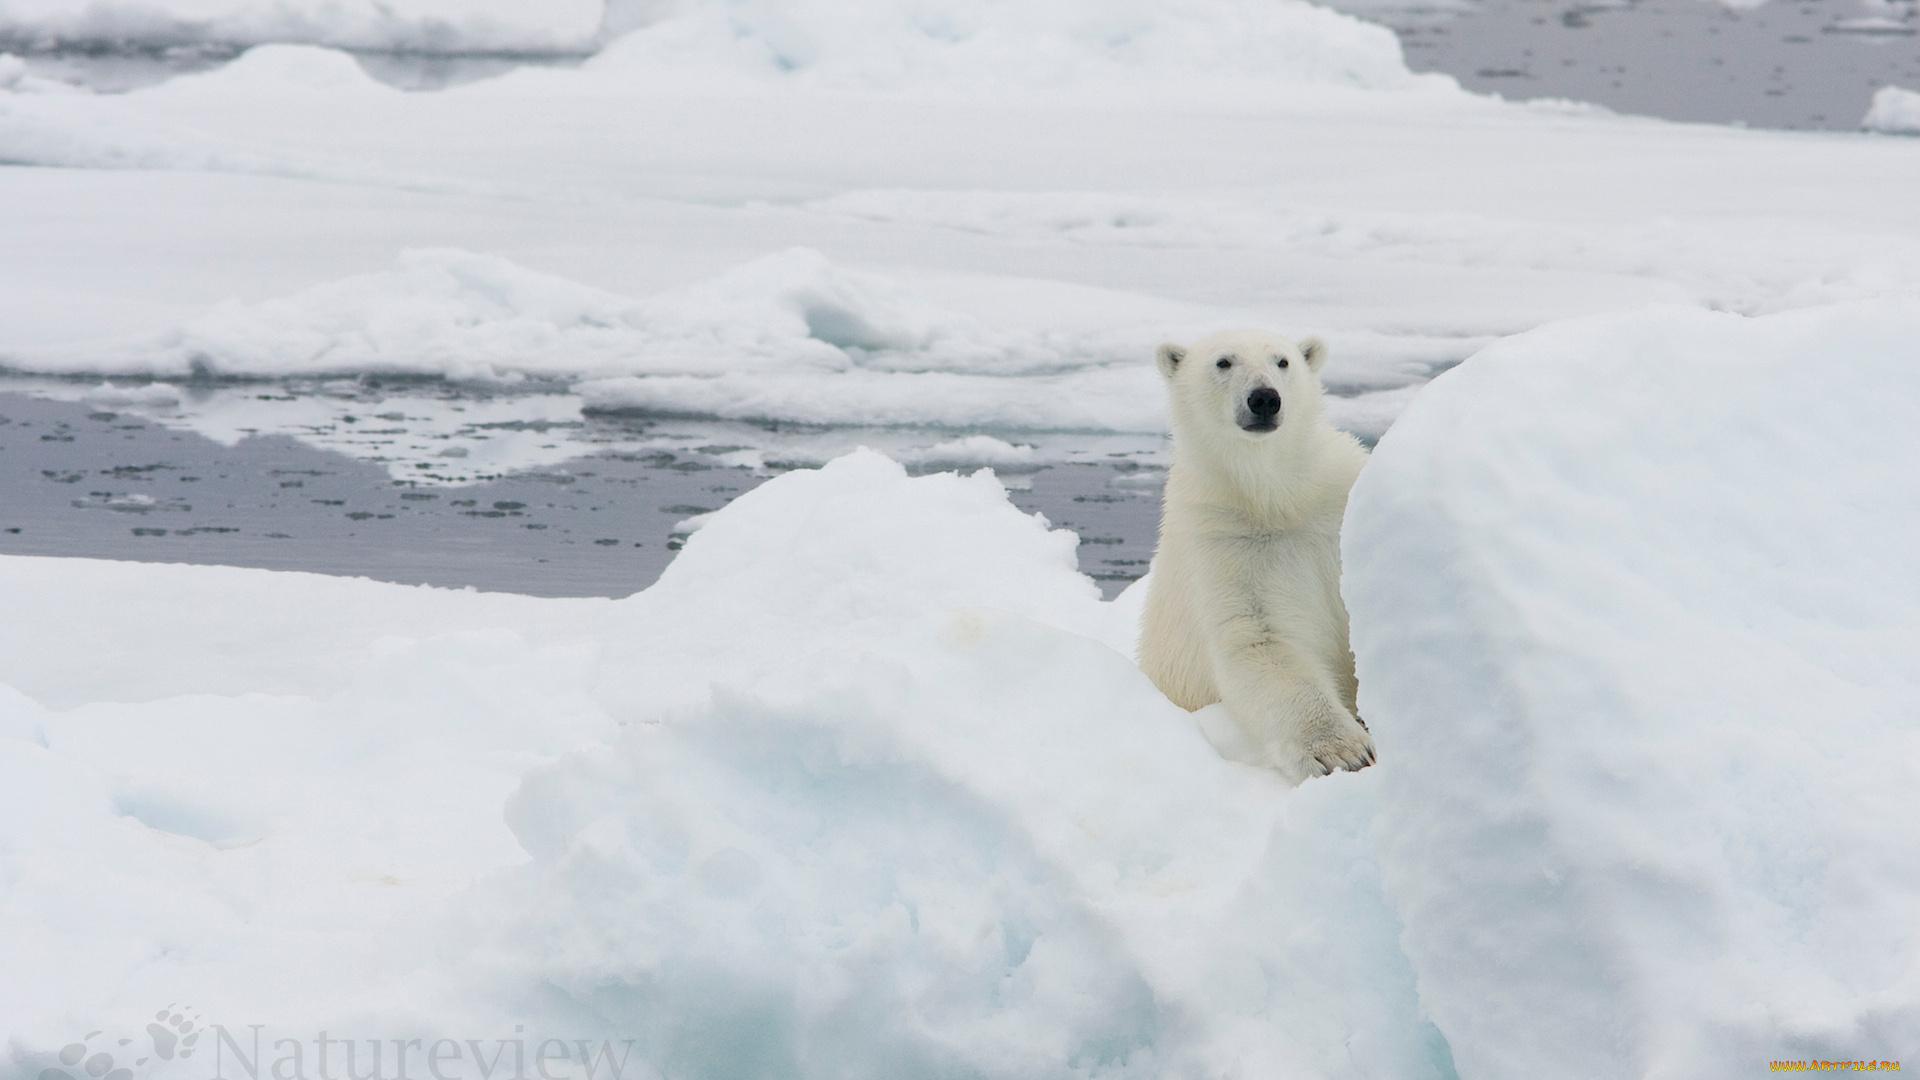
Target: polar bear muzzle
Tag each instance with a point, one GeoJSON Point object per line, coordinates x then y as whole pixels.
{"type": "Point", "coordinates": [1261, 411]}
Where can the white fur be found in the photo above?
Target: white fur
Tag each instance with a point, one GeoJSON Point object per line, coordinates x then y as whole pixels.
{"type": "Point", "coordinates": [1244, 606]}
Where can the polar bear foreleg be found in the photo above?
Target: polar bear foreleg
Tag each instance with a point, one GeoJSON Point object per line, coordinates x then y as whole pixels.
{"type": "Point", "coordinates": [1292, 710]}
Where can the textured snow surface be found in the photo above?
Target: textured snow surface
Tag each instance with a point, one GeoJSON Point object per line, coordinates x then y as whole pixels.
{"type": "Point", "coordinates": [865, 785]}
{"type": "Point", "coordinates": [1637, 618]}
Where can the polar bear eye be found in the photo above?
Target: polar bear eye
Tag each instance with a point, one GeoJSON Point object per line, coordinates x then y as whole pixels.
{"type": "Point", "coordinates": [1283, 361]}
{"type": "Point", "coordinates": [1223, 363]}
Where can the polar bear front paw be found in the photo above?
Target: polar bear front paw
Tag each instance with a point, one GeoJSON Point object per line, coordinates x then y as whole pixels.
{"type": "Point", "coordinates": [1351, 751]}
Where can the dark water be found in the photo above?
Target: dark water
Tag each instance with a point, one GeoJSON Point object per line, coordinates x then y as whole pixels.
{"type": "Point", "coordinates": [1785, 64]}
{"type": "Point", "coordinates": [113, 68]}
{"type": "Point", "coordinates": [81, 480]}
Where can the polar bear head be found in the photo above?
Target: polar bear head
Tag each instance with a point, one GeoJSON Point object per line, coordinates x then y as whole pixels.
{"type": "Point", "coordinates": [1244, 383]}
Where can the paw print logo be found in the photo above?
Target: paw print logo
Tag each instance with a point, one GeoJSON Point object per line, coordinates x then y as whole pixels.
{"type": "Point", "coordinates": [171, 1035]}
{"type": "Point", "coordinates": [174, 1032]}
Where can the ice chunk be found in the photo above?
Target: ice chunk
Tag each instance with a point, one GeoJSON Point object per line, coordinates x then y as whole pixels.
{"type": "Point", "coordinates": [277, 69]}
{"type": "Point", "coordinates": [156, 395]}
{"type": "Point", "coordinates": [976, 450]}
{"type": "Point", "coordinates": [1895, 111]}
{"type": "Point", "coordinates": [1637, 618]}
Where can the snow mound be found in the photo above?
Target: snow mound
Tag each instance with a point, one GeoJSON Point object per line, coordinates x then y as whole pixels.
{"type": "Point", "coordinates": [1637, 620]}
{"type": "Point", "coordinates": [428, 26]}
{"type": "Point", "coordinates": [1046, 44]}
{"type": "Point", "coordinates": [1894, 111]}
{"type": "Point", "coordinates": [865, 785]}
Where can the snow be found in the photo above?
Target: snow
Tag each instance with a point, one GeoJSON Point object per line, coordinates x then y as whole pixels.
{"type": "Point", "coordinates": [1636, 617]}
{"type": "Point", "coordinates": [470, 317]}
{"type": "Point", "coordinates": [1895, 111]}
{"type": "Point", "coordinates": [760, 806]}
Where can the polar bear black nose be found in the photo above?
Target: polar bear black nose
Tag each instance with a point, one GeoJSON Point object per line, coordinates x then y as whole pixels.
{"type": "Point", "coordinates": [1264, 401]}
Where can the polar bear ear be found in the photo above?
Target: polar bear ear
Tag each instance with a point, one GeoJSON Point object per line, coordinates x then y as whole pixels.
{"type": "Point", "coordinates": [1314, 352]}
{"type": "Point", "coordinates": [1168, 356]}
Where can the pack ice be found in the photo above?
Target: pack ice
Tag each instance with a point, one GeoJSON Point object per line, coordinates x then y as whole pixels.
{"type": "Point", "coordinates": [867, 784]}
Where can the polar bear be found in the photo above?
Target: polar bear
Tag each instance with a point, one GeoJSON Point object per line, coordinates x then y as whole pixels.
{"type": "Point", "coordinates": [1244, 603]}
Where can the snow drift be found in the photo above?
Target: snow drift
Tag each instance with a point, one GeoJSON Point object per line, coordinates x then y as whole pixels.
{"type": "Point", "coordinates": [1637, 619]}
{"type": "Point", "coordinates": [865, 785]}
